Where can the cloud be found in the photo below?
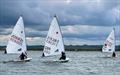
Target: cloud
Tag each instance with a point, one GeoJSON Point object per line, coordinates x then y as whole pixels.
{"type": "Point", "coordinates": [35, 40]}
{"type": "Point", "coordinates": [80, 20]}
{"type": "Point", "coordinates": [72, 35]}
{"type": "Point", "coordinates": [86, 34]}
{"type": "Point", "coordinates": [41, 12]}
{"type": "Point", "coordinates": [35, 33]}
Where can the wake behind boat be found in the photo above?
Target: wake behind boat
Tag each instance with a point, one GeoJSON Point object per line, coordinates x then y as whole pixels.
{"type": "Point", "coordinates": [17, 42]}
{"type": "Point", "coordinates": [54, 42]}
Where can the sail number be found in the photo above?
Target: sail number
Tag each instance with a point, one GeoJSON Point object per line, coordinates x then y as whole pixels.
{"type": "Point", "coordinates": [52, 41]}
{"type": "Point", "coordinates": [16, 39]}
{"type": "Point", "coordinates": [108, 43]}
{"type": "Point", "coordinates": [47, 49]}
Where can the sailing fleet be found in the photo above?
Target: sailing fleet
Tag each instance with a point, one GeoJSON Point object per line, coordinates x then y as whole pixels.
{"type": "Point", "coordinates": [54, 44]}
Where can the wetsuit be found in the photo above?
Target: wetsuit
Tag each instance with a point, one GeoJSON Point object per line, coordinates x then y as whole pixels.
{"type": "Point", "coordinates": [113, 55]}
{"type": "Point", "coordinates": [43, 55]}
{"type": "Point", "coordinates": [5, 52]}
{"type": "Point", "coordinates": [63, 57]}
{"type": "Point", "coordinates": [23, 56]}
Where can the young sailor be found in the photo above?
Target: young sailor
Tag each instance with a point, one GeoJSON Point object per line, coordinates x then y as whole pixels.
{"type": "Point", "coordinates": [113, 55]}
{"type": "Point", "coordinates": [63, 56]}
{"type": "Point", "coordinates": [5, 52]}
{"type": "Point", "coordinates": [23, 56]}
{"type": "Point", "coordinates": [43, 55]}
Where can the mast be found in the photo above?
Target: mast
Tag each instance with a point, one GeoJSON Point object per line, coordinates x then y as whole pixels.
{"type": "Point", "coordinates": [114, 39]}
{"type": "Point", "coordinates": [60, 31]}
{"type": "Point", "coordinates": [24, 34]}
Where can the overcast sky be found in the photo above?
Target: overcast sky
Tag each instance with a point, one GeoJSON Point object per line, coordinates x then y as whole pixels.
{"type": "Point", "coordinates": [82, 21]}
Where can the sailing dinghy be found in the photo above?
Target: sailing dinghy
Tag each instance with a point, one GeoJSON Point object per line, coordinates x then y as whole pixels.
{"type": "Point", "coordinates": [109, 45]}
{"type": "Point", "coordinates": [17, 41]}
{"type": "Point", "coordinates": [54, 41]}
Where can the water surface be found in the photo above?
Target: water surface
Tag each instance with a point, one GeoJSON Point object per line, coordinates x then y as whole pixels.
{"type": "Point", "coordinates": [81, 63]}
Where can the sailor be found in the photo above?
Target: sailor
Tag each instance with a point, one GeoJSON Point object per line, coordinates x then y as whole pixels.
{"type": "Point", "coordinates": [5, 52]}
{"type": "Point", "coordinates": [113, 55]}
{"type": "Point", "coordinates": [43, 55]}
{"type": "Point", "coordinates": [63, 56]}
{"type": "Point", "coordinates": [23, 56]}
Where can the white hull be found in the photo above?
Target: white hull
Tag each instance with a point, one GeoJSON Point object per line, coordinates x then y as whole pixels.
{"type": "Point", "coordinates": [25, 60]}
{"type": "Point", "coordinates": [18, 60]}
{"type": "Point", "coordinates": [66, 60]}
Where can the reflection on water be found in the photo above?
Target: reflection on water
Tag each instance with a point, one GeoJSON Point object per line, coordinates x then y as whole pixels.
{"type": "Point", "coordinates": [81, 63]}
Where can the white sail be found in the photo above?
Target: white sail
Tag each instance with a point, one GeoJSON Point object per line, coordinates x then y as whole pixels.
{"type": "Point", "coordinates": [109, 45]}
{"type": "Point", "coordinates": [17, 41]}
{"type": "Point", "coordinates": [54, 42]}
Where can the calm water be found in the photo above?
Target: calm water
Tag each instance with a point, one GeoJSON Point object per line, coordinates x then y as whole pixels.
{"type": "Point", "coordinates": [81, 63]}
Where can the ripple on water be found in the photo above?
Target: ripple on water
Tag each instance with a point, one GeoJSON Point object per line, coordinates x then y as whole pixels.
{"type": "Point", "coordinates": [82, 63]}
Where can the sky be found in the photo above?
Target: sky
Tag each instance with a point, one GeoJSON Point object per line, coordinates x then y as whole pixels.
{"type": "Point", "coordinates": [81, 21]}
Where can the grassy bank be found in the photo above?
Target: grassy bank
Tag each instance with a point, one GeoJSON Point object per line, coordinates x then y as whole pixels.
{"type": "Point", "coordinates": [68, 48]}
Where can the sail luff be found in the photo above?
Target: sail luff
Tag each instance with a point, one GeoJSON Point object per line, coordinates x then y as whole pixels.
{"type": "Point", "coordinates": [114, 40]}
{"type": "Point", "coordinates": [25, 44]}
{"type": "Point", "coordinates": [60, 32]}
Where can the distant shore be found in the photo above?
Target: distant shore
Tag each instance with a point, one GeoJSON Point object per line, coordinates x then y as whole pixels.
{"type": "Point", "coordinates": [68, 48]}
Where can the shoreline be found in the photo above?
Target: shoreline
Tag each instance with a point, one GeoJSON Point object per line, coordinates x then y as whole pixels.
{"type": "Point", "coordinates": [67, 48]}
